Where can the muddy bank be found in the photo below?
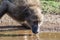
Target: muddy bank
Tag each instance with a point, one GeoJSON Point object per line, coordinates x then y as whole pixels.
{"type": "Point", "coordinates": [51, 22]}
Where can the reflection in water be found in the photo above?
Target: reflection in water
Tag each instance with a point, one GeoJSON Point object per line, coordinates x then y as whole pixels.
{"type": "Point", "coordinates": [25, 38]}
{"type": "Point", "coordinates": [17, 33]}
{"type": "Point", "coordinates": [32, 37]}
{"type": "Point", "coordinates": [35, 37]}
{"type": "Point", "coordinates": [27, 35]}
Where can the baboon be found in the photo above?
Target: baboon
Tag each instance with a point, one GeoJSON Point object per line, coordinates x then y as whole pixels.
{"type": "Point", "coordinates": [27, 12]}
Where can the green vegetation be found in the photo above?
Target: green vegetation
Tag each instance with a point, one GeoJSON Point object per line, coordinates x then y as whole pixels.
{"type": "Point", "coordinates": [51, 0]}
{"type": "Point", "coordinates": [51, 7]}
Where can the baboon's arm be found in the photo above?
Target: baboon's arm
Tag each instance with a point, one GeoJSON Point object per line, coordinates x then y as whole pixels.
{"type": "Point", "coordinates": [3, 8]}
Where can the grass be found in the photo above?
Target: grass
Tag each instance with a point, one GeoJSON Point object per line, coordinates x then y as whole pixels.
{"type": "Point", "coordinates": [51, 7]}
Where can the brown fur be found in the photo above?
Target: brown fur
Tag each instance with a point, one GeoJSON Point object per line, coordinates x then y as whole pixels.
{"type": "Point", "coordinates": [34, 10]}
{"type": "Point", "coordinates": [27, 12]}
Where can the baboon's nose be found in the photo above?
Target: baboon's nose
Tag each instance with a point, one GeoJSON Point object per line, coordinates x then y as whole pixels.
{"type": "Point", "coordinates": [34, 29]}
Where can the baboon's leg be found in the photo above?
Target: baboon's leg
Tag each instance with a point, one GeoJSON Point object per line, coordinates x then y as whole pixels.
{"type": "Point", "coordinates": [3, 8]}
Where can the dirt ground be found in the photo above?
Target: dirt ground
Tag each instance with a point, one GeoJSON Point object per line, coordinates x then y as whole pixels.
{"type": "Point", "coordinates": [51, 23]}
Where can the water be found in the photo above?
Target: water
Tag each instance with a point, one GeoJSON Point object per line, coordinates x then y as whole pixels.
{"type": "Point", "coordinates": [27, 35]}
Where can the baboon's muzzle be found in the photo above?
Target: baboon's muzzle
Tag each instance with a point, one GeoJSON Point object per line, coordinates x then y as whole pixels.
{"type": "Point", "coordinates": [34, 29]}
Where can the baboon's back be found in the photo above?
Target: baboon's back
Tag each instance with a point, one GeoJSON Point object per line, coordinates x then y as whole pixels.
{"type": "Point", "coordinates": [25, 2]}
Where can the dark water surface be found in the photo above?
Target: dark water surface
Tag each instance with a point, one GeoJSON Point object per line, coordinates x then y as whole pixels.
{"type": "Point", "coordinates": [27, 35]}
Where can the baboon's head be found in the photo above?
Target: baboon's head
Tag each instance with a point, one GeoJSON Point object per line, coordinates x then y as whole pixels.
{"type": "Point", "coordinates": [36, 27]}
{"type": "Point", "coordinates": [35, 23]}
{"type": "Point", "coordinates": [36, 19]}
